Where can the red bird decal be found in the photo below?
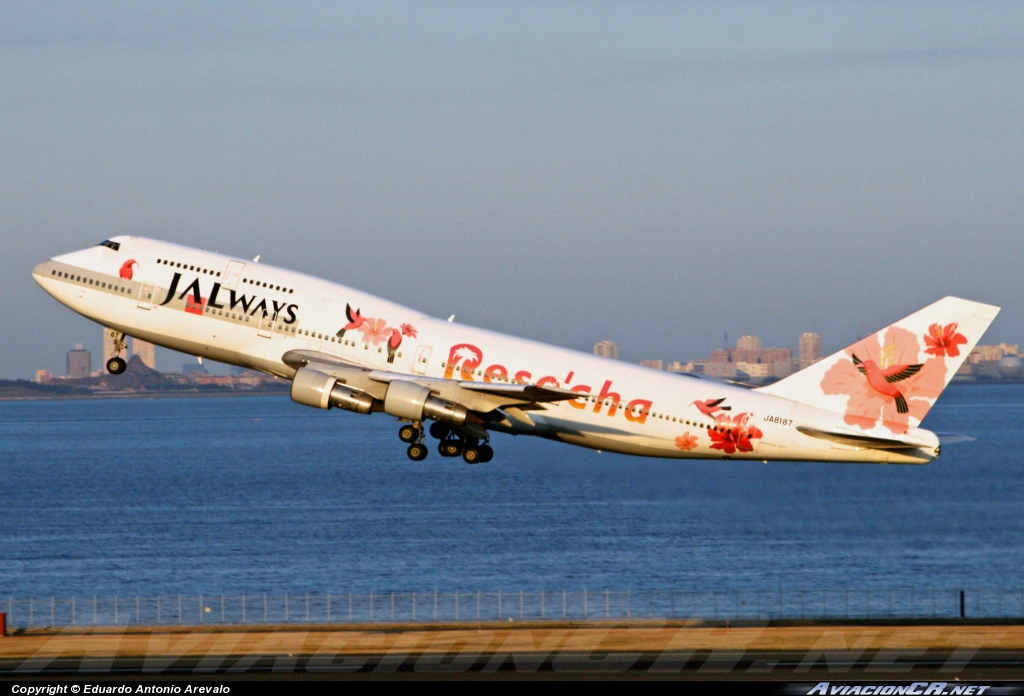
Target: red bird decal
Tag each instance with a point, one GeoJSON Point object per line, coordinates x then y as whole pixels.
{"type": "Point", "coordinates": [126, 271]}
{"type": "Point", "coordinates": [882, 381]}
{"type": "Point", "coordinates": [394, 341]}
{"type": "Point", "coordinates": [711, 406]}
{"type": "Point", "coordinates": [355, 320]}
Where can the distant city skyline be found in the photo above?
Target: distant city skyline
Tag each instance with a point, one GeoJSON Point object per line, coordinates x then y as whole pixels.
{"type": "Point", "coordinates": [749, 360]}
{"type": "Point", "coordinates": [760, 364]}
{"type": "Point", "coordinates": [755, 363]}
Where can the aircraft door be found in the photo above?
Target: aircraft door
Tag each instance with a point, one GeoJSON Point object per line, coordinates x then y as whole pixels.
{"type": "Point", "coordinates": [231, 275]}
{"type": "Point", "coordinates": [146, 293]}
{"type": "Point", "coordinates": [420, 361]}
{"type": "Point", "coordinates": [266, 327]}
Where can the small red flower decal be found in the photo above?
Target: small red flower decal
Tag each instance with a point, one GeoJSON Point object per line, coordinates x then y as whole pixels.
{"type": "Point", "coordinates": [408, 330]}
{"type": "Point", "coordinates": [736, 433]}
{"type": "Point", "coordinates": [686, 442]}
{"type": "Point", "coordinates": [944, 340]}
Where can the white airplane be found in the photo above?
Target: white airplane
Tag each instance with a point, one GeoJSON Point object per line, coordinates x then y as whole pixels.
{"type": "Point", "coordinates": [346, 349]}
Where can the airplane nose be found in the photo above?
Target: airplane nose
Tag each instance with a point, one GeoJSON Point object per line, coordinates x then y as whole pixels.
{"type": "Point", "coordinates": [40, 271]}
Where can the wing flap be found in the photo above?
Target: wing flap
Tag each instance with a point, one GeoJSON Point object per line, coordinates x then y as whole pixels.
{"type": "Point", "coordinates": [530, 393]}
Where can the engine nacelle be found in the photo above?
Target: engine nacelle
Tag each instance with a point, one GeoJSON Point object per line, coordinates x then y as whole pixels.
{"type": "Point", "coordinates": [312, 388]}
{"type": "Point", "coordinates": [414, 402]}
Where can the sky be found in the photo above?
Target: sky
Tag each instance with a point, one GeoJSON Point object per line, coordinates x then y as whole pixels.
{"type": "Point", "coordinates": [656, 174]}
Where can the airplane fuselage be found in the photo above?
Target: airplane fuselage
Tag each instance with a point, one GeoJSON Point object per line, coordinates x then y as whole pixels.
{"type": "Point", "coordinates": [252, 315]}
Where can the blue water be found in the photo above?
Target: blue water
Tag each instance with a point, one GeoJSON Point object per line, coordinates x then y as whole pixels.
{"type": "Point", "coordinates": [260, 495]}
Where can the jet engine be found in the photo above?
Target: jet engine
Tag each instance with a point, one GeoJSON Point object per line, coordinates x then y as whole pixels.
{"type": "Point", "coordinates": [416, 403]}
{"type": "Point", "coordinates": [312, 388]}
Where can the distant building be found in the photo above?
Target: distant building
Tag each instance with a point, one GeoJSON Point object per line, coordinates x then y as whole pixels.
{"type": "Point", "coordinates": [748, 343]}
{"type": "Point", "coordinates": [43, 377]}
{"type": "Point", "coordinates": [689, 366]}
{"type": "Point", "coordinates": [783, 368]}
{"type": "Point", "coordinates": [654, 364]}
{"type": "Point", "coordinates": [146, 352]}
{"type": "Point", "coordinates": [751, 359]}
{"type": "Point", "coordinates": [992, 353]}
{"type": "Point", "coordinates": [79, 362]}
{"type": "Point", "coordinates": [810, 349]}
{"type": "Point", "coordinates": [721, 355]}
{"type": "Point", "coordinates": [754, 370]}
{"type": "Point", "coordinates": [724, 370]}
{"type": "Point", "coordinates": [607, 349]}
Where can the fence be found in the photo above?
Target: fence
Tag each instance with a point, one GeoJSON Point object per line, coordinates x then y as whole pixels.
{"type": "Point", "coordinates": [412, 607]}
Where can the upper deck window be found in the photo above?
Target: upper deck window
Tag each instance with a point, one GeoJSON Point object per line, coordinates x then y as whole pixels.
{"type": "Point", "coordinates": [113, 245]}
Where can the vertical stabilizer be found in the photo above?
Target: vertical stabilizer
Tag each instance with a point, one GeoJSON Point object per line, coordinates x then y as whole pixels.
{"type": "Point", "coordinates": [893, 377]}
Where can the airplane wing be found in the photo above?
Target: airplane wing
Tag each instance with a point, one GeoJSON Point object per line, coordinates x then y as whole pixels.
{"type": "Point", "coordinates": [476, 396]}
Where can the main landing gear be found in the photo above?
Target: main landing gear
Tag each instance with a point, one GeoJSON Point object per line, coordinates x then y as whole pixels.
{"type": "Point", "coordinates": [116, 365]}
{"type": "Point", "coordinates": [451, 444]}
{"type": "Point", "coordinates": [413, 434]}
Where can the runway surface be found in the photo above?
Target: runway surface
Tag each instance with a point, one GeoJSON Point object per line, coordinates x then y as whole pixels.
{"type": "Point", "coordinates": [634, 650]}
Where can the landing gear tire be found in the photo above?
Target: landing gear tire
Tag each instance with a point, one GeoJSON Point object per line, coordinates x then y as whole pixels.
{"type": "Point", "coordinates": [116, 366]}
{"type": "Point", "coordinates": [486, 453]}
{"type": "Point", "coordinates": [439, 430]}
{"type": "Point", "coordinates": [409, 433]}
{"type": "Point", "coordinates": [417, 452]}
{"type": "Point", "coordinates": [450, 448]}
{"type": "Point", "coordinates": [471, 455]}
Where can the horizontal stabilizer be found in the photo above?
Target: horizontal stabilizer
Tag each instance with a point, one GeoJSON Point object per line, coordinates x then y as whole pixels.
{"type": "Point", "coordinates": [857, 440]}
{"type": "Point", "coordinates": [954, 438]}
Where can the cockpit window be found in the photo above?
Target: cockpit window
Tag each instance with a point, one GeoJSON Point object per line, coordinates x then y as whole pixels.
{"type": "Point", "coordinates": [113, 245]}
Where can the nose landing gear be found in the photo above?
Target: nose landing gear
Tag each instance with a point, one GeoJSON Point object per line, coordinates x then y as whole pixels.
{"type": "Point", "coordinates": [116, 365]}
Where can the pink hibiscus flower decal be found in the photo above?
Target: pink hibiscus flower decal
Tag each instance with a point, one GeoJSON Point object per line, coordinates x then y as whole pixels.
{"type": "Point", "coordinates": [944, 341]}
{"type": "Point", "coordinates": [375, 331]}
{"type": "Point", "coordinates": [686, 442]}
{"type": "Point", "coordinates": [735, 433]}
{"type": "Point", "coordinates": [408, 330]}
{"type": "Point", "coordinates": [893, 403]}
